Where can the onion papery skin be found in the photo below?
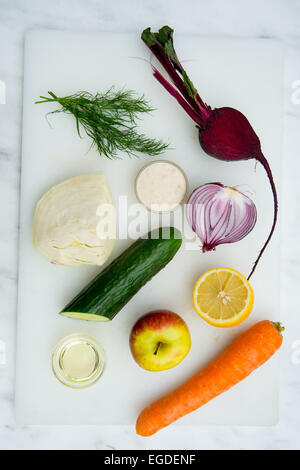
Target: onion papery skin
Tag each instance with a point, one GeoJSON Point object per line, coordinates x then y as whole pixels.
{"type": "Point", "coordinates": [220, 214]}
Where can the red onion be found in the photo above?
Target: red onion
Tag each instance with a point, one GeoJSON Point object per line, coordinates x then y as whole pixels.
{"type": "Point", "coordinates": [220, 214]}
{"type": "Point", "coordinates": [224, 133]}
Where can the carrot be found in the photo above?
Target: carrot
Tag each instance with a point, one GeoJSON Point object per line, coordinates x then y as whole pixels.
{"type": "Point", "coordinates": [245, 354]}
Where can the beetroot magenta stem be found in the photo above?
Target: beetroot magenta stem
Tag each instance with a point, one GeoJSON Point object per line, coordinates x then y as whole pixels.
{"type": "Point", "coordinates": [189, 110]}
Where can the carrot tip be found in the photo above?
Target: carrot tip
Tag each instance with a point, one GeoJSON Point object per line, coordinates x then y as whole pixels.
{"type": "Point", "coordinates": [143, 432]}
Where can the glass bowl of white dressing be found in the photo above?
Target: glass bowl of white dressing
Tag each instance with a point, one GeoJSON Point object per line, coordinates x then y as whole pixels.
{"type": "Point", "coordinates": [161, 186]}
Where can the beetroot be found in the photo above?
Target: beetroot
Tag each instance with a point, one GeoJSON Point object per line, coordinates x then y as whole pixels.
{"type": "Point", "coordinates": [224, 133]}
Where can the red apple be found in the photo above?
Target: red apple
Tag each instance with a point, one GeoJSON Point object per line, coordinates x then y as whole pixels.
{"type": "Point", "coordinates": [159, 340]}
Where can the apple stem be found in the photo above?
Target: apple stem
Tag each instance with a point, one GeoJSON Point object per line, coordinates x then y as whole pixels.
{"type": "Point", "coordinates": [157, 348]}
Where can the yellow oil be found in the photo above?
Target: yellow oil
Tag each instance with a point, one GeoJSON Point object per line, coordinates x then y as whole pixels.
{"type": "Point", "coordinates": [78, 361]}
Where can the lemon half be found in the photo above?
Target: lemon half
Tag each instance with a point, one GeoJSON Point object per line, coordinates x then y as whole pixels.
{"type": "Point", "coordinates": [223, 297]}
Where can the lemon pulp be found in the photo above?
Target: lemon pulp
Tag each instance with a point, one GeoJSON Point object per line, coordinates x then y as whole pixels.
{"type": "Point", "coordinates": [223, 297]}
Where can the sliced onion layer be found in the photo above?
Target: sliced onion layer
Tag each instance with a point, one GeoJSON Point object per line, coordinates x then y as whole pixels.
{"type": "Point", "coordinates": [220, 214]}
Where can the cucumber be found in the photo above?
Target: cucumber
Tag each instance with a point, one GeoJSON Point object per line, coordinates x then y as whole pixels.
{"type": "Point", "coordinates": [108, 292]}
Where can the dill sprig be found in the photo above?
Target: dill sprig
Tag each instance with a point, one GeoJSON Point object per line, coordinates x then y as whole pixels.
{"type": "Point", "coordinates": [110, 119]}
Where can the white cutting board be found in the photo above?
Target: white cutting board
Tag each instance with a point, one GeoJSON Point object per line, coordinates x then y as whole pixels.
{"type": "Point", "coordinates": [244, 74]}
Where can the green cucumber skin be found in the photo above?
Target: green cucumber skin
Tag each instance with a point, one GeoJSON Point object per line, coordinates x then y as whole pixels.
{"type": "Point", "coordinates": [110, 290]}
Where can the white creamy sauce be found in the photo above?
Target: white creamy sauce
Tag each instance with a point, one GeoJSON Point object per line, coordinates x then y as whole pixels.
{"type": "Point", "coordinates": [161, 186]}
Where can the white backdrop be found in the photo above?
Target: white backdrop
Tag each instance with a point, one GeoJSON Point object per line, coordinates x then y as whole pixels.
{"type": "Point", "coordinates": [271, 18]}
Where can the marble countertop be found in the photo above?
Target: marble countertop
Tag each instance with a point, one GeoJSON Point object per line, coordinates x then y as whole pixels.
{"type": "Point", "coordinates": [253, 19]}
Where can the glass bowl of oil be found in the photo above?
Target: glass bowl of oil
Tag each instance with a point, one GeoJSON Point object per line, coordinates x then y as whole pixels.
{"type": "Point", "coordinates": [78, 361]}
